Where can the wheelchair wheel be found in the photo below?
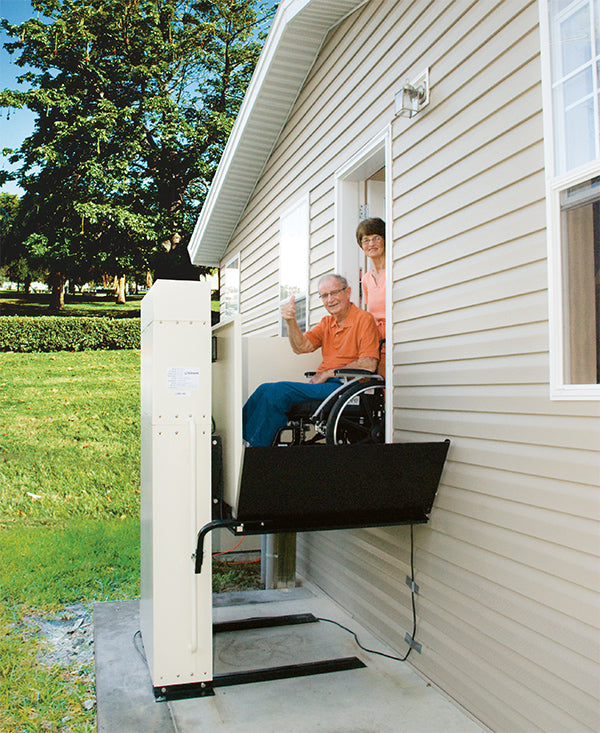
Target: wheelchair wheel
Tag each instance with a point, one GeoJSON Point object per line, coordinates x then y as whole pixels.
{"type": "Point", "coordinates": [358, 416]}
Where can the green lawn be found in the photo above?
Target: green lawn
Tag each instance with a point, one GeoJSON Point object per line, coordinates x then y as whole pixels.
{"type": "Point", "coordinates": [69, 434]}
{"type": "Point", "coordinates": [69, 519]}
{"type": "Point", "coordinates": [69, 508]}
{"type": "Point", "coordinates": [78, 304]}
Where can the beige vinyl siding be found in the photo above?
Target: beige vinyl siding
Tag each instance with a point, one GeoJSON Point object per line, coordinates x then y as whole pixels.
{"type": "Point", "coordinates": [470, 313]}
{"type": "Point", "coordinates": [508, 565]}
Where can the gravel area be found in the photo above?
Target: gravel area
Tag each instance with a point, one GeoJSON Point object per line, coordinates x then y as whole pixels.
{"type": "Point", "coordinates": [68, 640]}
{"type": "Point", "coordinates": [68, 636]}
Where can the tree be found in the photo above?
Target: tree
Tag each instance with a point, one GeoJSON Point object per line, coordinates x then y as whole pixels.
{"type": "Point", "coordinates": [134, 100]}
{"type": "Point", "coordinates": [9, 206]}
{"type": "Point", "coordinates": [13, 263]}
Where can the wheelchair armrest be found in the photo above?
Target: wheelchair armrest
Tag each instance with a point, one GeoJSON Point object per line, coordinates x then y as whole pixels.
{"type": "Point", "coordinates": [356, 373]}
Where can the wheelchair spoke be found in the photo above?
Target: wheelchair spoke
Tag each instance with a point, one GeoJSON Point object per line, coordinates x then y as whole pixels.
{"type": "Point", "coordinates": [358, 415]}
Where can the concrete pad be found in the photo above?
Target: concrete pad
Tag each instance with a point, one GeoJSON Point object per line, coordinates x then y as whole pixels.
{"type": "Point", "coordinates": [384, 697]}
{"type": "Point", "coordinates": [124, 698]}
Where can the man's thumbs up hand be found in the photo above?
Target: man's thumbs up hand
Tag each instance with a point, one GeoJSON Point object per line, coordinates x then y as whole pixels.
{"type": "Point", "coordinates": [288, 311]}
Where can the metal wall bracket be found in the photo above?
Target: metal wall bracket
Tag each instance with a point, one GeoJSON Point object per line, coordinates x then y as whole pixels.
{"type": "Point", "coordinates": [412, 585]}
{"type": "Point", "coordinates": [412, 643]}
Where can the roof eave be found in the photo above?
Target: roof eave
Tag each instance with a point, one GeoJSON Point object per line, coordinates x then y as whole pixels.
{"type": "Point", "coordinates": [260, 121]}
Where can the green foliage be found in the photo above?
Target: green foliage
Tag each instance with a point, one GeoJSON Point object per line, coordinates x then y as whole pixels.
{"type": "Point", "coordinates": [9, 205]}
{"type": "Point", "coordinates": [14, 265]}
{"type": "Point", "coordinates": [56, 333]}
{"type": "Point", "coordinates": [134, 104]}
{"type": "Point", "coordinates": [229, 577]}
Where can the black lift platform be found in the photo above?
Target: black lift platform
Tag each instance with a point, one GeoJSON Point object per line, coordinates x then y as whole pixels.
{"type": "Point", "coordinates": [325, 487]}
{"type": "Point", "coordinates": [317, 488]}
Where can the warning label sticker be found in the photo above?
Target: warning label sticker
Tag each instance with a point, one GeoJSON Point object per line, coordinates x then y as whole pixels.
{"type": "Point", "coordinates": [183, 379]}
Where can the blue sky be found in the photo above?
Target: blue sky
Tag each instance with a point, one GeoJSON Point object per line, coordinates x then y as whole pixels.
{"type": "Point", "coordinates": [17, 125]}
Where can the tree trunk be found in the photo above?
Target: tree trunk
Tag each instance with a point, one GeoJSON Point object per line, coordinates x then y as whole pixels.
{"type": "Point", "coordinates": [148, 279]}
{"type": "Point", "coordinates": [120, 289]}
{"type": "Point", "coordinates": [57, 297]}
{"type": "Point", "coordinates": [27, 285]}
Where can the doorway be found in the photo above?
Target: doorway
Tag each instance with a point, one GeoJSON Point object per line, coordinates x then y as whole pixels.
{"type": "Point", "coordinates": [363, 190]}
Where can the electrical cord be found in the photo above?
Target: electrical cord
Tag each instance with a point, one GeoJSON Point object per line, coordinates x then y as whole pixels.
{"type": "Point", "coordinates": [414, 612]}
{"type": "Point", "coordinates": [227, 552]}
{"type": "Point", "coordinates": [139, 649]}
{"type": "Point", "coordinates": [138, 635]}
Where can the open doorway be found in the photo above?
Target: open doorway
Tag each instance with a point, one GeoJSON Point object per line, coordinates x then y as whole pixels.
{"type": "Point", "coordinates": [371, 204]}
{"type": "Point", "coordinates": [363, 190]}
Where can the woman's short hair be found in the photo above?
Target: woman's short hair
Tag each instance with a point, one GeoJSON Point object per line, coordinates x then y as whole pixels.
{"type": "Point", "coordinates": [367, 227]}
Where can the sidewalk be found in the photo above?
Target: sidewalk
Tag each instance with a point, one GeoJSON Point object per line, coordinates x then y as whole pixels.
{"type": "Point", "coordinates": [384, 697]}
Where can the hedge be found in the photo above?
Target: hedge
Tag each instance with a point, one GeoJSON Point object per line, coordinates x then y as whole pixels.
{"type": "Point", "coordinates": [68, 333]}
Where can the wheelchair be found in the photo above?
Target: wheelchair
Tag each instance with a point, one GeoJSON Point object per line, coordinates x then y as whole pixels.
{"type": "Point", "coordinates": [353, 413]}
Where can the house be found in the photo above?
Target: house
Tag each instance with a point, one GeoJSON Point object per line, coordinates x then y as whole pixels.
{"type": "Point", "coordinates": [491, 198]}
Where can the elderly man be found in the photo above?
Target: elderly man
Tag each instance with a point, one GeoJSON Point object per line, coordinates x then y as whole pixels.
{"type": "Point", "coordinates": [348, 337]}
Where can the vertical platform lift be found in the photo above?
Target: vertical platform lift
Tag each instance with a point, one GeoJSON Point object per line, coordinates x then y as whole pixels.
{"type": "Point", "coordinates": [175, 617]}
{"type": "Point", "coordinates": [192, 379]}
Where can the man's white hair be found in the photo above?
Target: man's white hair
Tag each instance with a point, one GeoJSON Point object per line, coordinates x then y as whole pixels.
{"type": "Point", "coordinates": [340, 278]}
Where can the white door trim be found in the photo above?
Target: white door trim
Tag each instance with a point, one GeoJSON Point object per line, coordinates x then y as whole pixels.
{"type": "Point", "coordinates": [373, 156]}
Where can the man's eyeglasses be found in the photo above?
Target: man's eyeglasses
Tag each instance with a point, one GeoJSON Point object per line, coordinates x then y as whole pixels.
{"type": "Point", "coordinates": [324, 296]}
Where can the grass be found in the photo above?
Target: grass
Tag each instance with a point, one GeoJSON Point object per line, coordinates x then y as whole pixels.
{"type": "Point", "coordinates": [69, 434]}
{"type": "Point", "coordinates": [44, 567]}
{"type": "Point", "coordinates": [34, 697]}
{"type": "Point", "coordinates": [77, 304]}
{"type": "Point", "coordinates": [69, 519]}
{"type": "Point", "coordinates": [69, 508]}
{"type": "Point", "coordinates": [233, 576]}
{"type": "Point", "coordinates": [48, 565]}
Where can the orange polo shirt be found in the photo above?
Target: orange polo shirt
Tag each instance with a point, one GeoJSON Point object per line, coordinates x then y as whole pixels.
{"type": "Point", "coordinates": [357, 338]}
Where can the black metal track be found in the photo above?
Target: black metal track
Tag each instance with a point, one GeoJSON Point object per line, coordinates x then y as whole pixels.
{"type": "Point", "coordinates": [266, 674]}
{"type": "Point", "coordinates": [264, 622]}
{"type": "Point", "coordinates": [287, 671]}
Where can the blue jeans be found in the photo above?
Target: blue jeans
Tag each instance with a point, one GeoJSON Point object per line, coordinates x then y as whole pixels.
{"type": "Point", "coordinates": [265, 411]}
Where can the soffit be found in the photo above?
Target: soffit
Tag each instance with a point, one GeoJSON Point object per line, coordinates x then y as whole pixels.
{"type": "Point", "coordinates": [297, 33]}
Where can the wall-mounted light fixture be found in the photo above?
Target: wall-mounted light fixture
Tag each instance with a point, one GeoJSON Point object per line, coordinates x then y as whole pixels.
{"type": "Point", "coordinates": [413, 96]}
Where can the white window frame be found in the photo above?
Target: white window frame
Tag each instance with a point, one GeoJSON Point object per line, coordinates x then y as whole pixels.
{"type": "Point", "coordinates": [232, 308]}
{"type": "Point", "coordinates": [560, 388]}
{"type": "Point", "coordinates": [300, 207]}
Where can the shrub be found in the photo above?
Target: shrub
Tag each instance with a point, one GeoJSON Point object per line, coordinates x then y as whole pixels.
{"type": "Point", "coordinates": [68, 333]}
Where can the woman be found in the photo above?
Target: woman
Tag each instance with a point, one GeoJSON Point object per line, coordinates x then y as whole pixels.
{"type": "Point", "coordinates": [370, 235]}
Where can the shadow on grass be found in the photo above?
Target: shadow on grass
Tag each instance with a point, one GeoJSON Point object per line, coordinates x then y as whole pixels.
{"type": "Point", "coordinates": [79, 304]}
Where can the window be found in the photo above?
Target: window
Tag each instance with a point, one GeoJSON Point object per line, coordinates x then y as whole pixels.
{"type": "Point", "coordinates": [575, 55]}
{"type": "Point", "coordinates": [230, 288]}
{"type": "Point", "coordinates": [293, 261]}
{"type": "Point", "coordinates": [580, 214]}
{"type": "Point", "coordinates": [571, 73]}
